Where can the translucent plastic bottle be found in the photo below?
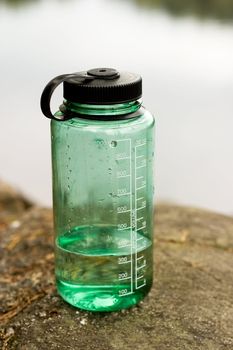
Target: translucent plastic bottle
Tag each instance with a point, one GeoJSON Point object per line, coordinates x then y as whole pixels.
{"type": "Point", "coordinates": [102, 157]}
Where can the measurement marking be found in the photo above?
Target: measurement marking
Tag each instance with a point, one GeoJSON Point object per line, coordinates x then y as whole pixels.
{"type": "Point", "coordinates": [141, 228]}
{"type": "Point", "coordinates": [124, 228]}
{"type": "Point", "coordinates": [123, 158]}
{"type": "Point", "coordinates": [140, 277]}
{"type": "Point", "coordinates": [140, 257]}
{"type": "Point", "coordinates": [124, 194]}
{"type": "Point", "coordinates": [142, 285]}
{"type": "Point", "coordinates": [125, 278]}
{"type": "Point", "coordinates": [141, 267]}
{"type": "Point", "coordinates": [123, 295]}
{"type": "Point", "coordinates": [141, 166]}
{"type": "Point", "coordinates": [131, 218]}
{"type": "Point", "coordinates": [123, 176]}
{"type": "Point", "coordinates": [125, 262]}
{"type": "Point", "coordinates": [122, 140]}
{"type": "Point", "coordinates": [124, 246]}
{"type": "Point", "coordinates": [142, 144]}
{"type": "Point", "coordinates": [135, 233]}
{"type": "Point", "coordinates": [139, 239]}
{"type": "Point", "coordinates": [139, 188]}
{"type": "Point", "coordinates": [141, 208]}
{"type": "Point", "coordinates": [137, 219]}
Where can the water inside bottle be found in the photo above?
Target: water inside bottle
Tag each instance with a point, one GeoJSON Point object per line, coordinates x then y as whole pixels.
{"type": "Point", "coordinates": [99, 268]}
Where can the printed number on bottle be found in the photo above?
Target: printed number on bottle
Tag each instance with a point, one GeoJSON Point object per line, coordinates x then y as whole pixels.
{"type": "Point", "coordinates": [123, 292]}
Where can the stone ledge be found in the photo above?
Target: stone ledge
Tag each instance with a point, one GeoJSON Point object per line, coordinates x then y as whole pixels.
{"type": "Point", "coordinates": [190, 306]}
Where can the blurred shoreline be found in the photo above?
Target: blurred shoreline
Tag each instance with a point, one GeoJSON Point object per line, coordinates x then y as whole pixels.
{"type": "Point", "coordinates": [187, 84]}
{"type": "Point", "coordinates": [203, 9]}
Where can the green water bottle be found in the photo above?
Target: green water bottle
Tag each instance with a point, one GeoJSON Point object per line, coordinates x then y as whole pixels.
{"type": "Point", "coordinates": [102, 159]}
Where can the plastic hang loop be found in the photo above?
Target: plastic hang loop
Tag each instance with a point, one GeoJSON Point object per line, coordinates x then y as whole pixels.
{"type": "Point", "coordinates": [49, 90]}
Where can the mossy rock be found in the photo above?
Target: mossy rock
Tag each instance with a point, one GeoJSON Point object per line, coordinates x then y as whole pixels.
{"type": "Point", "coordinates": [190, 306]}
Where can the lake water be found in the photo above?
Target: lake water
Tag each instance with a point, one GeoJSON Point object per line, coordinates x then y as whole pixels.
{"type": "Point", "coordinates": [186, 64]}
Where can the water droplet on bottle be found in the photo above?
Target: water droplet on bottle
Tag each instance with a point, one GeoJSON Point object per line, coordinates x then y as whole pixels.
{"type": "Point", "coordinates": [111, 194]}
{"type": "Point", "coordinates": [100, 143]}
{"type": "Point", "coordinates": [68, 187]}
{"type": "Point", "coordinates": [113, 144]}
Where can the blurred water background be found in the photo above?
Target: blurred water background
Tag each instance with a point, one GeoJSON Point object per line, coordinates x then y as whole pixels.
{"type": "Point", "coordinates": [183, 50]}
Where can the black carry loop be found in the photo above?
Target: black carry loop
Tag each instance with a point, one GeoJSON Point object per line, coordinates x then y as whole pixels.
{"type": "Point", "coordinates": [96, 86]}
{"type": "Point", "coordinates": [50, 88]}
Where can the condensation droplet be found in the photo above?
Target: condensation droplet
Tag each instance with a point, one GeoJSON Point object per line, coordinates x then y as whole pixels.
{"type": "Point", "coordinates": [113, 144]}
{"type": "Point", "coordinates": [114, 195]}
{"type": "Point", "coordinates": [100, 143]}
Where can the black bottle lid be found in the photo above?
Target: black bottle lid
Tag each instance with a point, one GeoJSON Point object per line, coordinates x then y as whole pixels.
{"type": "Point", "coordinates": [103, 86]}
{"type": "Point", "coordinates": [95, 86]}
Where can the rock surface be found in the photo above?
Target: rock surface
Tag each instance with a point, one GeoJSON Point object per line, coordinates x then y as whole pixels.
{"type": "Point", "coordinates": [190, 306]}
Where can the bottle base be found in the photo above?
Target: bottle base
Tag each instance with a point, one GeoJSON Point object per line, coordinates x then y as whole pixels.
{"type": "Point", "coordinates": [99, 298]}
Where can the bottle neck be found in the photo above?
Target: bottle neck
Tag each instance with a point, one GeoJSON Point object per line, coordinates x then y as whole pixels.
{"type": "Point", "coordinates": [109, 110]}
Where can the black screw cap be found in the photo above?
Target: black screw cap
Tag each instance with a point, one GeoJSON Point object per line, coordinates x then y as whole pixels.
{"type": "Point", "coordinates": [108, 86]}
